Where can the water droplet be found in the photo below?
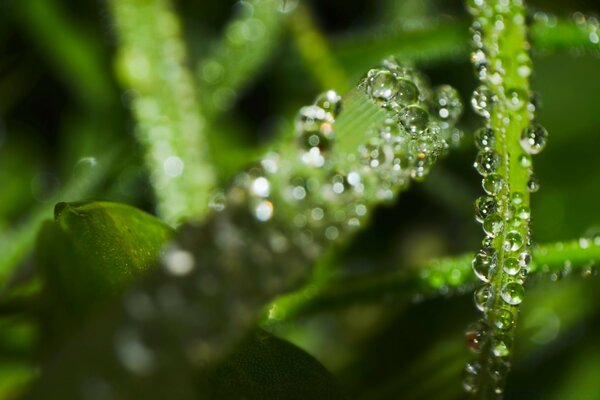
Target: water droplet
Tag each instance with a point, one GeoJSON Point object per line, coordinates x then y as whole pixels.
{"type": "Point", "coordinates": [485, 206]}
{"type": "Point", "coordinates": [484, 138]}
{"type": "Point", "coordinates": [487, 162]}
{"type": "Point", "coordinates": [493, 225]}
{"type": "Point", "coordinates": [503, 319]}
{"type": "Point", "coordinates": [447, 104]}
{"type": "Point", "coordinates": [513, 293]}
{"type": "Point", "coordinates": [516, 98]}
{"type": "Point", "coordinates": [517, 198]}
{"type": "Point", "coordinates": [493, 184]}
{"type": "Point", "coordinates": [475, 335]}
{"type": "Point", "coordinates": [525, 160]}
{"type": "Point", "coordinates": [482, 101]}
{"type": "Point", "coordinates": [523, 212]}
{"type": "Point", "coordinates": [484, 263]}
{"type": "Point", "coordinates": [330, 101]}
{"type": "Point", "coordinates": [407, 92]}
{"type": "Point", "coordinates": [511, 266]}
{"type": "Point", "coordinates": [533, 185]}
{"type": "Point", "coordinates": [470, 377]}
{"type": "Point", "coordinates": [481, 297]}
{"type": "Point", "coordinates": [414, 119]}
{"type": "Point", "coordinates": [501, 346]}
{"type": "Point", "coordinates": [524, 259]}
{"type": "Point", "coordinates": [513, 241]}
{"type": "Point", "coordinates": [382, 85]}
{"type": "Point", "coordinates": [534, 138]}
{"type": "Point", "coordinates": [314, 127]}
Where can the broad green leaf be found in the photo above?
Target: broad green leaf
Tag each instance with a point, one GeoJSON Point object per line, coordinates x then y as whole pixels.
{"type": "Point", "coordinates": [93, 250]}
{"type": "Point", "coordinates": [266, 367]}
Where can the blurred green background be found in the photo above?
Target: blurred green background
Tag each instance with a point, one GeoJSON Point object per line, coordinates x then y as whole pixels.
{"type": "Point", "coordinates": [66, 135]}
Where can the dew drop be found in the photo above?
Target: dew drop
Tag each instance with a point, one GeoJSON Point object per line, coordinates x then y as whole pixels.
{"type": "Point", "coordinates": [414, 119]}
{"type": "Point", "coordinates": [493, 225]}
{"type": "Point", "coordinates": [493, 184]}
{"type": "Point", "coordinates": [500, 346]}
{"type": "Point", "coordinates": [517, 198]}
{"type": "Point", "coordinates": [487, 162]}
{"type": "Point", "coordinates": [513, 241]}
{"type": "Point", "coordinates": [407, 92]}
{"type": "Point", "coordinates": [382, 85]}
{"type": "Point", "coordinates": [523, 212]}
{"type": "Point", "coordinates": [481, 297]}
{"type": "Point", "coordinates": [484, 138]}
{"type": "Point", "coordinates": [485, 206]}
{"type": "Point", "coordinates": [525, 160]}
{"type": "Point", "coordinates": [533, 185]}
{"type": "Point", "coordinates": [503, 319]}
{"type": "Point", "coordinates": [475, 335]}
{"type": "Point", "coordinates": [511, 266]}
{"type": "Point", "coordinates": [482, 101]}
{"type": "Point", "coordinates": [513, 293]}
{"type": "Point", "coordinates": [330, 101]}
{"type": "Point", "coordinates": [447, 104]}
{"type": "Point", "coordinates": [484, 263]}
{"type": "Point", "coordinates": [471, 372]}
{"type": "Point", "coordinates": [516, 99]}
{"type": "Point", "coordinates": [534, 138]}
{"type": "Point", "coordinates": [314, 127]}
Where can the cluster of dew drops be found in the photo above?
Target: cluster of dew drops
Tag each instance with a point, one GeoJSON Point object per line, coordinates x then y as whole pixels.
{"type": "Point", "coordinates": [501, 211]}
{"type": "Point", "coordinates": [320, 190]}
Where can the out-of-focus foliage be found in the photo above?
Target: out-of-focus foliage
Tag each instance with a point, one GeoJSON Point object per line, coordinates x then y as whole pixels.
{"type": "Point", "coordinates": [68, 133]}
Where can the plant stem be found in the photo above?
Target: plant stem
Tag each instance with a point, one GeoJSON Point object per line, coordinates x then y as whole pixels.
{"type": "Point", "coordinates": [443, 277]}
{"type": "Point", "coordinates": [503, 66]}
{"type": "Point", "coordinates": [151, 64]}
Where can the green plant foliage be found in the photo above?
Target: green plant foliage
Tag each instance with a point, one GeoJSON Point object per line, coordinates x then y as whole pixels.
{"type": "Point", "coordinates": [265, 367]}
{"type": "Point", "coordinates": [290, 222]}
{"type": "Point", "coordinates": [92, 251]}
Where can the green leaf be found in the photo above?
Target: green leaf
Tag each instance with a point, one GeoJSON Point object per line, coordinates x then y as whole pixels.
{"type": "Point", "coordinates": [93, 250]}
{"type": "Point", "coordinates": [266, 367]}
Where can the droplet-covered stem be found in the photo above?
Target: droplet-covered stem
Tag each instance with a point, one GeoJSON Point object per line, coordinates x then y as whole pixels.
{"type": "Point", "coordinates": [503, 66]}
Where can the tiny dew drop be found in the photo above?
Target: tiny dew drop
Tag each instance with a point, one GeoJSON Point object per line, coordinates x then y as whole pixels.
{"type": "Point", "coordinates": [504, 319]}
{"type": "Point", "coordinates": [475, 335]}
{"type": "Point", "coordinates": [534, 138]}
{"type": "Point", "coordinates": [484, 263]}
{"type": "Point", "coordinates": [330, 101]}
{"type": "Point", "coordinates": [511, 266]}
{"type": "Point", "coordinates": [481, 297]}
{"type": "Point", "coordinates": [471, 372]}
{"type": "Point", "coordinates": [513, 293]}
{"type": "Point", "coordinates": [482, 101]}
{"type": "Point", "coordinates": [493, 184]}
{"type": "Point", "coordinates": [516, 99]}
{"type": "Point", "coordinates": [487, 162]}
{"type": "Point", "coordinates": [517, 198]}
{"type": "Point", "coordinates": [523, 212]}
{"type": "Point", "coordinates": [533, 185]}
{"type": "Point", "coordinates": [500, 346]}
{"type": "Point", "coordinates": [446, 104]}
{"type": "Point", "coordinates": [484, 138]}
{"type": "Point", "coordinates": [525, 160]}
{"type": "Point", "coordinates": [493, 225]}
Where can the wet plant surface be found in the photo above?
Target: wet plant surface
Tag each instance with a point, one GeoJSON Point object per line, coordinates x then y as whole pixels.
{"type": "Point", "coordinates": [275, 199]}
